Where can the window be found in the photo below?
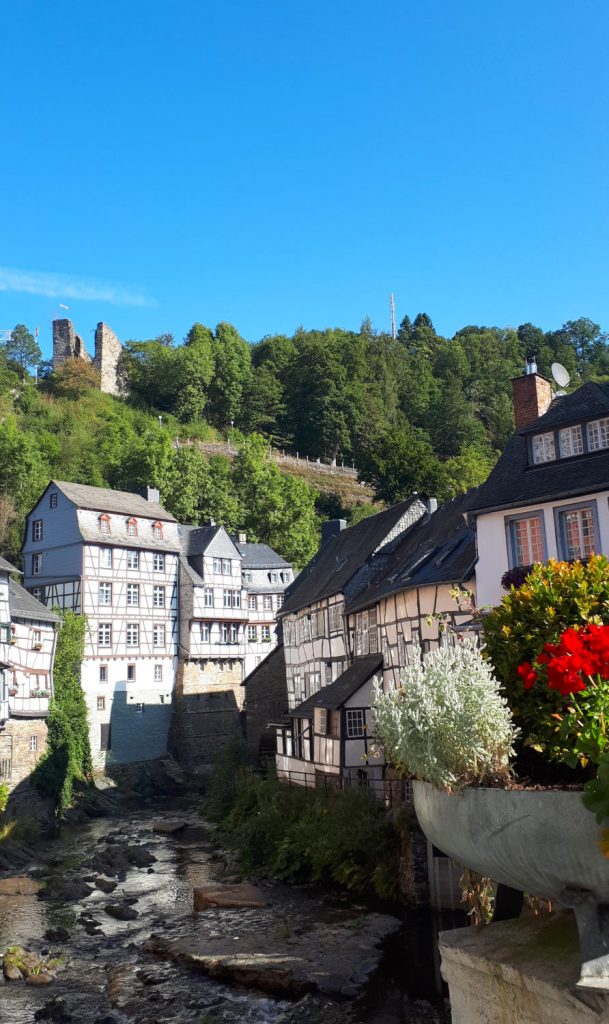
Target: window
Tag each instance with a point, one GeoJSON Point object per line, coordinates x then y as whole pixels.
{"type": "Point", "coordinates": [234, 633]}
{"type": "Point", "coordinates": [37, 529]}
{"type": "Point", "coordinates": [226, 567]}
{"type": "Point", "coordinates": [232, 598]}
{"type": "Point", "coordinates": [336, 617]}
{"type": "Point", "coordinates": [157, 531]}
{"type": "Point", "coordinates": [158, 597]}
{"type": "Point", "coordinates": [544, 448]}
{"type": "Point", "coordinates": [158, 673]}
{"type": "Point", "coordinates": [218, 566]}
{"type": "Point", "coordinates": [158, 562]}
{"type": "Point", "coordinates": [402, 650]}
{"type": "Point", "coordinates": [298, 687]}
{"type": "Point", "coordinates": [133, 595]}
{"type": "Point", "coordinates": [104, 593]}
{"type": "Point", "coordinates": [38, 593]}
{"type": "Point", "coordinates": [356, 724]}
{"type": "Point", "coordinates": [274, 577]}
{"type": "Point", "coordinates": [252, 603]}
{"type": "Point", "coordinates": [312, 683]}
{"type": "Point", "coordinates": [132, 527]}
{"type": "Point", "coordinates": [247, 576]}
{"type": "Point", "coordinates": [133, 634]}
{"type": "Point", "coordinates": [323, 721]}
{"type": "Point", "coordinates": [105, 736]}
{"type": "Point", "coordinates": [140, 708]}
{"type": "Point", "coordinates": [335, 724]}
{"type": "Point", "coordinates": [33, 743]}
{"type": "Point", "coordinates": [158, 636]}
{"type": "Point", "coordinates": [103, 673]}
{"type": "Point", "coordinates": [105, 558]}
{"type": "Point", "coordinates": [571, 441]}
{"type": "Point", "coordinates": [328, 675]}
{"type": "Point", "coordinates": [208, 597]}
{"type": "Point", "coordinates": [130, 673]}
{"type": "Point", "coordinates": [101, 703]}
{"type": "Point", "coordinates": [53, 500]}
{"type": "Point", "coordinates": [267, 602]}
{"type": "Point", "coordinates": [280, 600]}
{"type": "Point", "coordinates": [527, 543]}
{"type": "Point", "coordinates": [577, 531]}
{"type": "Point", "coordinates": [598, 434]}
{"type": "Point", "coordinates": [36, 639]}
{"type": "Point", "coordinates": [36, 565]}
{"type": "Point", "coordinates": [205, 632]}
{"type": "Point", "coordinates": [373, 643]}
{"type": "Point", "coordinates": [104, 634]}
{"type": "Point", "coordinates": [133, 559]}
{"type": "Point", "coordinates": [265, 633]}
{"type": "Point", "coordinates": [230, 633]}
{"type": "Point", "coordinates": [252, 634]}
{"type": "Point", "coordinates": [104, 523]}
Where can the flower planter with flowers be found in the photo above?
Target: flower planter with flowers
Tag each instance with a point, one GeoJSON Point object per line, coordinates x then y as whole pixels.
{"type": "Point", "coordinates": [521, 801]}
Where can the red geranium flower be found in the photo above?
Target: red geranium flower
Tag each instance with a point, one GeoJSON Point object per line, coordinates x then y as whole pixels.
{"type": "Point", "coordinates": [528, 674]}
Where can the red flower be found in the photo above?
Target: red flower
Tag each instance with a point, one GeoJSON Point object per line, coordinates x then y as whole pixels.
{"type": "Point", "coordinates": [528, 674]}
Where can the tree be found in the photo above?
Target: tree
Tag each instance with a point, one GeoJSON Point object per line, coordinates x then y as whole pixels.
{"type": "Point", "coordinates": [23, 348]}
{"type": "Point", "coordinates": [231, 376]}
{"type": "Point", "coordinates": [73, 378]}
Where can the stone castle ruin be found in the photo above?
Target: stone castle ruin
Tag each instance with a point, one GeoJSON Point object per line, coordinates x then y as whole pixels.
{"type": "Point", "coordinates": [67, 344]}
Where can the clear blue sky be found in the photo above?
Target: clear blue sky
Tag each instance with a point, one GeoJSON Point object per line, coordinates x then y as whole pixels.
{"type": "Point", "coordinates": [276, 163]}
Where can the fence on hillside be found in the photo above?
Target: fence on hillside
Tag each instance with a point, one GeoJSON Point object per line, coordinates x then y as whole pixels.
{"type": "Point", "coordinates": [226, 449]}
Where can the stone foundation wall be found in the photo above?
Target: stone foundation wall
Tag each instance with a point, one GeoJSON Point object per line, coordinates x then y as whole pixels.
{"type": "Point", "coordinates": [206, 711]}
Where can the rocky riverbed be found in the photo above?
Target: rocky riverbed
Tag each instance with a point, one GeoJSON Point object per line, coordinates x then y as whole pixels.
{"type": "Point", "coordinates": [102, 931]}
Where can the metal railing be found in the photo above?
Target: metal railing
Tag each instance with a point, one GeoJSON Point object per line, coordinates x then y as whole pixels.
{"type": "Point", "coordinates": [392, 792]}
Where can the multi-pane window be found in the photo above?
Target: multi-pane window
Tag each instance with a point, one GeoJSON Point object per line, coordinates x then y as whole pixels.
{"type": "Point", "coordinates": [328, 674]}
{"type": "Point", "coordinates": [598, 434]}
{"type": "Point", "coordinates": [232, 598]}
{"type": "Point", "coordinates": [336, 616]}
{"type": "Point", "coordinates": [130, 673]}
{"type": "Point", "coordinates": [132, 527]}
{"type": "Point", "coordinates": [230, 633]}
{"type": "Point", "coordinates": [217, 563]}
{"type": "Point", "coordinates": [36, 565]}
{"type": "Point", "coordinates": [226, 567]}
{"type": "Point", "coordinates": [133, 595]}
{"type": "Point", "coordinates": [103, 673]}
{"type": "Point", "coordinates": [133, 559]}
{"type": "Point", "coordinates": [158, 673]}
{"type": "Point", "coordinates": [53, 500]}
{"type": "Point", "coordinates": [247, 576]}
{"type": "Point", "coordinates": [356, 723]}
{"type": "Point", "coordinates": [133, 634]}
{"type": "Point", "coordinates": [38, 593]}
{"type": "Point", "coordinates": [157, 531]}
{"type": "Point", "coordinates": [274, 577]}
{"type": "Point", "coordinates": [526, 536]}
{"type": "Point", "coordinates": [104, 634]}
{"type": "Point", "coordinates": [265, 632]}
{"type": "Point", "coordinates": [208, 597]}
{"type": "Point", "coordinates": [105, 558]}
{"type": "Point", "coordinates": [267, 602]}
{"type": "Point", "coordinates": [158, 597]}
{"type": "Point", "coordinates": [101, 703]}
{"type": "Point", "coordinates": [158, 562]}
{"type": "Point", "coordinates": [571, 441]}
{"type": "Point", "coordinates": [252, 603]}
{"type": "Point", "coordinates": [158, 636]}
{"type": "Point", "coordinates": [362, 631]}
{"type": "Point", "coordinates": [312, 682]}
{"type": "Point", "coordinates": [33, 743]}
{"type": "Point", "coordinates": [298, 687]}
{"type": "Point", "coordinates": [104, 524]}
{"type": "Point", "coordinates": [577, 532]}
{"type": "Point", "coordinates": [37, 529]}
{"type": "Point", "coordinates": [104, 593]}
{"type": "Point", "coordinates": [544, 447]}
{"type": "Point", "coordinates": [205, 632]}
{"type": "Point", "coordinates": [252, 634]}
{"type": "Point", "coordinates": [279, 600]}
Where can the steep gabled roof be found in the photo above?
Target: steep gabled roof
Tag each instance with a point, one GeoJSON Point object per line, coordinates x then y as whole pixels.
{"type": "Point", "coordinates": [259, 556]}
{"type": "Point", "coordinates": [24, 606]}
{"type": "Point", "coordinates": [441, 548]}
{"type": "Point", "coordinates": [589, 401]}
{"type": "Point", "coordinates": [337, 693]}
{"type": "Point", "coordinates": [334, 565]}
{"type": "Point", "coordinates": [269, 671]}
{"type": "Point", "coordinates": [7, 566]}
{"type": "Point", "coordinates": [195, 540]}
{"type": "Point", "coordinates": [104, 499]}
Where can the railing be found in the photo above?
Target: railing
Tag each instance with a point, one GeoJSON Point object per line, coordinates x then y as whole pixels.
{"type": "Point", "coordinates": [29, 707]}
{"type": "Point", "coordinates": [392, 792]}
{"type": "Point", "coordinates": [226, 448]}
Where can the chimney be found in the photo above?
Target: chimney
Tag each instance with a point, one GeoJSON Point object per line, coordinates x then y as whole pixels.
{"type": "Point", "coordinates": [331, 528]}
{"type": "Point", "coordinates": [152, 494]}
{"type": "Point", "coordinates": [531, 395]}
{"type": "Point", "coordinates": [432, 505]}
{"type": "Point", "coordinates": [243, 538]}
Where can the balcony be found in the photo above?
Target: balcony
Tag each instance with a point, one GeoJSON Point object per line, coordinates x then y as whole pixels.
{"type": "Point", "coordinates": [28, 707]}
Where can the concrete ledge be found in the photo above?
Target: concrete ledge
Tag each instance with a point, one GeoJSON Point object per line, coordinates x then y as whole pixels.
{"type": "Point", "coordinates": [519, 972]}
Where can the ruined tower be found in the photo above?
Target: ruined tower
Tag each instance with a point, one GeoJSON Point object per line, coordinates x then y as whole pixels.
{"type": "Point", "coordinates": [66, 343]}
{"type": "Point", "coordinates": [69, 345]}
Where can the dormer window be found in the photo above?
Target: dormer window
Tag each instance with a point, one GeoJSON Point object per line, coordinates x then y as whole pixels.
{"type": "Point", "coordinates": [104, 523]}
{"type": "Point", "coordinates": [544, 447]}
{"type": "Point", "coordinates": [132, 527]}
{"type": "Point", "coordinates": [598, 435]}
{"type": "Point", "coordinates": [157, 531]}
{"type": "Point", "coordinates": [571, 441]}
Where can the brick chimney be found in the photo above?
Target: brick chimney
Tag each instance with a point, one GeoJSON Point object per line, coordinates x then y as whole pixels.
{"type": "Point", "coordinates": [531, 395]}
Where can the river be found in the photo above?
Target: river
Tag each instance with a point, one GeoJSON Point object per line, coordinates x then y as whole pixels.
{"type": "Point", "coordinates": [107, 977]}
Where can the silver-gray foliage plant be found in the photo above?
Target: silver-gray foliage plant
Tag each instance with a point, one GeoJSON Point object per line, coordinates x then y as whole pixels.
{"type": "Point", "coordinates": [448, 724]}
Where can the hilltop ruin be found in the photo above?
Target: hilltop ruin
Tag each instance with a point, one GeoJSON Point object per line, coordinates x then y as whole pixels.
{"type": "Point", "coordinates": [67, 344]}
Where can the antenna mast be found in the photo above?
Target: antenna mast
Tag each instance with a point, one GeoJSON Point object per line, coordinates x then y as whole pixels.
{"type": "Point", "coordinates": [392, 307]}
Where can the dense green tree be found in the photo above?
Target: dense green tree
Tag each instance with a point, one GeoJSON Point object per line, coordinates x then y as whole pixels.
{"type": "Point", "coordinates": [22, 348]}
{"type": "Point", "coordinates": [231, 376]}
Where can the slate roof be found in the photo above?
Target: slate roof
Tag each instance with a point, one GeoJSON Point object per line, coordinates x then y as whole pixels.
{"type": "Point", "coordinates": [7, 566]}
{"type": "Point", "coordinates": [513, 482]}
{"type": "Point", "coordinates": [440, 548]}
{"type": "Point", "coordinates": [260, 556]}
{"type": "Point", "coordinates": [104, 499]}
{"type": "Point", "coordinates": [24, 606]}
{"type": "Point", "coordinates": [335, 695]}
{"type": "Point", "coordinates": [195, 539]}
{"type": "Point", "coordinates": [338, 560]}
{"type": "Point", "coordinates": [270, 670]}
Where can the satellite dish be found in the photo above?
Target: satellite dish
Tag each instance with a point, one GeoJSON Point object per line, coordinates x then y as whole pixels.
{"type": "Point", "coordinates": [560, 374]}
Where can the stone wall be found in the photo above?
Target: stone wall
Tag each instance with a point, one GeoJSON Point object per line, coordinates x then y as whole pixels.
{"type": "Point", "coordinates": [67, 344]}
{"type": "Point", "coordinates": [107, 352]}
{"type": "Point", "coordinates": [206, 710]}
{"type": "Point", "coordinates": [16, 751]}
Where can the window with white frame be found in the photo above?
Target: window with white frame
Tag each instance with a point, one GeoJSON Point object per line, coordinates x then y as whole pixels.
{"type": "Point", "coordinates": [158, 562]}
{"type": "Point", "coordinates": [103, 673]}
{"type": "Point", "coordinates": [225, 632]}
{"type": "Point", "coordinates": [133, 595]}
{"type": "Point", "coordinates": [598, 434]}
{"type": "Point", "coordinates": [230, 633]}
{"type": "Point", "coordinates": [37, 529]}
{"type": "Point", "coordinates": [36, 639]}
{"type": "Point", "coordinates": [158, 635]}
{"type": "Point", "coordinates": [267, 602]}
{"type": "Point", "coordinates": [373, 644]}
{"type": "Point", "coordinates": [247, 576]}
{"type": "Point", "coordinates": [234, 633]}
{"type": "Point", "coordinates": [101, 703]}
{"type": "Point", "coordinates": [104, 593]}
{"type": "Point", "coordinates": [133, 559]}
{"type": "Point", "coordinates": [105, 558]}
{"type": "Point", "coordinates": [208, 597]}
{"type": "Point", "coordinates": [130, 673]}
{"type": "Point", "coordinates": [252, 603]}
{"type": "Point", "coordinates": [274, 577]}
{"type": "Point", "coordinates": [577, 532]}
{"type": "Point", "coordinates": [298, 687]}
{"type": "Point", "coordinates": [312, 682]}
{"type": "Point", "coordinates": [544, 447]}
{"type": "Point", "coordinates": [217, 563]}
{"type": "Point", "coordinates": [205, 632]}
{"type": "Point", "coordinates": [104, 523]}
{"type": "Point", "coordinates": [36, 565]}
{"type": "Point", "coordinates": [355, 723]}
{"type": "Point", "coordinates": [232, 598]}
{"type": "Point", "coordinates": [158, 673]}
{"type": "Point", "coordinates": [104, 634]}
{"type": "Point", "coordinates": [526, 539]}
{"type": "Point", "coordinates": [132, 527]}
{"type": "Point", "coordinates": [571, 441]}
{"type": "Point", "coordinates": [336, 616]}
{"type": "Point", "coordinates": [157, 531]}
{"type": "Point", "coordinates": [158, 597]}
{"type": "Point", "coordinates": [252, 634]}
{"type": "Point", "coordinates": [53, 500]}
{"type": "Point", "coordinates": [33, 743]}
{"type": "Point", "coordinates": [265, 633]}
{"type": "Point", "coordinates": [133, 634]}
{"type": "Point", "coordinates": [280, 600]}
{"type": "Point", "coordinates": [38, 593]}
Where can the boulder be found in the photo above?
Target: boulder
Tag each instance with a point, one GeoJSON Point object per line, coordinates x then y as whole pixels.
{"type": "Point", "coordinates": [57, 935]}
{"type": "Point", "coordinates": [121, 912]}
{"type": "Point", "coordinates": [42, 978]}
{"type": "Point", "coordinates": [168, 827]}
{"type": "Point", "coordinates": [11, 972]}
{"type": "Point", "coordinates": [240, 895]}
{"type": "Point", "coordinates": [105, 885]}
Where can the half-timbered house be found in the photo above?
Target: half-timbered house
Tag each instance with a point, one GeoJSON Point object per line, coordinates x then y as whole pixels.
{"type": "Point", "coordinates": [266, 575]}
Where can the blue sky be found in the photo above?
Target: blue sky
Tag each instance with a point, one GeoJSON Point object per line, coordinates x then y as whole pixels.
{"type": "Point", "coordinates": [276, 163]}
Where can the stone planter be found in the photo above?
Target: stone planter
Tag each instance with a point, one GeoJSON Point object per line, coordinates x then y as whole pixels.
{"type": "Point", "coordinates": [543, 842]}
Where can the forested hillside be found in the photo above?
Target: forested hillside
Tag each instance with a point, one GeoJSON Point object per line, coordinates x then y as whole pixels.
{"type": "Point", "coordinates": [419, 412]}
